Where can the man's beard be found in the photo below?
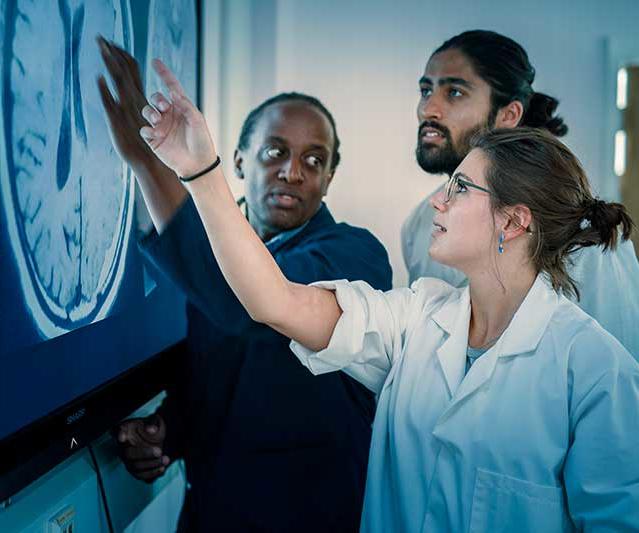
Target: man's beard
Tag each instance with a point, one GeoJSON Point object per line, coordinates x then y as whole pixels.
{"type": "Point", "coordinates": [447, 157]}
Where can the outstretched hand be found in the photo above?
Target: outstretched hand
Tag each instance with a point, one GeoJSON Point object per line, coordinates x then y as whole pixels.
{"type": "Point", "coordinates": [177, 133]}
{"type": "Point", "coordinates": [124, 110]}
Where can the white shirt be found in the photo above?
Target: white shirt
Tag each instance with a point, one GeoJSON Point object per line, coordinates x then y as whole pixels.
{"type": "Point", "coordinates": [608, 282]}
{"type": "Point", "coordinates": [541, 434]}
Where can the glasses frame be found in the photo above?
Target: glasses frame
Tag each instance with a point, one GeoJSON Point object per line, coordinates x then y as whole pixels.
{"type": "Point", "coordinates": [455, 180]}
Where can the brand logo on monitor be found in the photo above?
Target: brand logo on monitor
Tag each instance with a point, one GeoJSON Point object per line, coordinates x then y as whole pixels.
{"type": "Point", "coordinates": [76, 416]}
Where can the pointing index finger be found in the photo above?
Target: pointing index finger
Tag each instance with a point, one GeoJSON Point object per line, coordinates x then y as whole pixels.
{"type": "Point", "coordinates": [168, 78]}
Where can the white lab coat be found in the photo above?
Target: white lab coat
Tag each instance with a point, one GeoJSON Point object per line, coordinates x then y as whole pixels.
{"type": "Point", "coordinates": [541, 434]}
{"type": "Point", "coordinates": [608, 282]}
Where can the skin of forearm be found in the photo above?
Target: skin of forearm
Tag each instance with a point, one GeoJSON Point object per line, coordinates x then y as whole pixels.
{"type": "Point", "coordinates": [163, 194]}
{"type": "Point", "coordinates": [306, 314]}
{"type": "Point", "coordinates": [313, 319]}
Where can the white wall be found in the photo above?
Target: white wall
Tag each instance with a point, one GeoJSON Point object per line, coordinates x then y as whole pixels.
{"type": "Point", "coordinates": [363, 60]}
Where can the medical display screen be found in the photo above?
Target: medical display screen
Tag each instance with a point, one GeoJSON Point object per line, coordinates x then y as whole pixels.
{"type": "Point", "coordinates": [78, 305]}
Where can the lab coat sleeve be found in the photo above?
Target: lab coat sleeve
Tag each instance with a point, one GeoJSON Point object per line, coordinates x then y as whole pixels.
{"type": "Point", "coordinates": [601, 471]}
{"type": "Point", "coordinates": [609, 286]}
{"type": "Point", "coordinates": [371, 331]}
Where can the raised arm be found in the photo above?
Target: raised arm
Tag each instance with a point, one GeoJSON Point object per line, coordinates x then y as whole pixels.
{"type": "Point", "coordinates": [178, 135]}
{"type": "Point", "coordinates": [163, 194]}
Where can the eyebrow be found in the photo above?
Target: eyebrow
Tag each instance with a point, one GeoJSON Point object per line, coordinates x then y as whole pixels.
{"type": "Point", "coordinates": [463, 177]}
{"type": "Point", "coordinates": [280, 140]}
{"type": "Point", "coordinates": [273, 138]}
{"type": "Point", "coordinates": [450, 80]}
{"type": "Point", "coordinates": [320, 147]}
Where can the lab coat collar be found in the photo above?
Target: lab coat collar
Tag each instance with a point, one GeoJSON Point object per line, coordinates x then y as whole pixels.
{"type": "Point", "coordinates": [521, 336]}
{"type": "Point", "coordinates": [453, 317]}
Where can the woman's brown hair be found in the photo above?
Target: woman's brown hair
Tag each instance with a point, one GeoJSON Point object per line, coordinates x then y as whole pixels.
{"type": "Point", "coordinates": [531, 167]}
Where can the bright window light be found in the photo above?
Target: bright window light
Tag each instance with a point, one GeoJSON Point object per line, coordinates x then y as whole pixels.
{"type": "Point", "coordinates": [622, 88]}
{"type": "Point", "coordinates": [620, 153]}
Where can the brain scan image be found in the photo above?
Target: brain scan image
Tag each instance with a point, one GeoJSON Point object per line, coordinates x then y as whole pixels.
{"type": "Point", "coordinates": [172, 38]}
{"type": "Point", "coordinates": [67, 197]}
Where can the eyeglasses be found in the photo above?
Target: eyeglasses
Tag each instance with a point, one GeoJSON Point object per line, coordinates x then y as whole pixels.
{"type": "Point", "coordinates": [455, 181]}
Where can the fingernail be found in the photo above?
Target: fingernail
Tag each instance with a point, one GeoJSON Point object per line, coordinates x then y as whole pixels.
{"type": "Point", "coordinates": [165, 460]}
{"type": "Point", "coordinates": [163, 106]}
{"type": "Point", "coordinates": [152, 429]}
{"type": "Point", "coordinates": [157, 452]}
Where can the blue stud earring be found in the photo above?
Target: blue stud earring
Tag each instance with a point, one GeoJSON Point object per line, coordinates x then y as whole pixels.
{"type": "Point", "coordinates": [500, 249]}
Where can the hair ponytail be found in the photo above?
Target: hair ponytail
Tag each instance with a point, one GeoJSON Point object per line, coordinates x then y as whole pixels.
{"type": "Point", "coordinates": [531, 167]}
{"type": "Point", "coordinates": [600, 224]}
{"type": "Point", "coordinates": [539, 114]}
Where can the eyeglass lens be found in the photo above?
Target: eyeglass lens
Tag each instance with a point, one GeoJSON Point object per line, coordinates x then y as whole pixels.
{"type": "Point", "coordinates": [450, 188]}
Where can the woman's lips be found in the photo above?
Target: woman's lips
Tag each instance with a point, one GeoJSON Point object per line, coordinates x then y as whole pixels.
{"type": "Point", "coordinates": [438, 229]}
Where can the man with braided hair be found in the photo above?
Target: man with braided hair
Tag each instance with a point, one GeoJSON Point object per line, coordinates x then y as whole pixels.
{"type": "Point", "coordinates": [481, 80]}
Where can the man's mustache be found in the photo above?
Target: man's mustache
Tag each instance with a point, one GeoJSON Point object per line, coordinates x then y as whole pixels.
{"type": "Point", "coordinates": [436, 126]}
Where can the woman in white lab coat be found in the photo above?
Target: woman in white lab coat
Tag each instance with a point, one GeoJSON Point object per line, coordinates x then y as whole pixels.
{"type": "Point", "coordinates": [502, 406]}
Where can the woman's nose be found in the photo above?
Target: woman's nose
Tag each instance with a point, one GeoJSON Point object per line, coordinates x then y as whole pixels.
{"type": "Point", "coordinates": [438, 200]}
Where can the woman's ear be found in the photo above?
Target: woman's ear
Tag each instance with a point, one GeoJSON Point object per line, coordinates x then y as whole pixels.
{"type": "Point", "coordinates": [518, 220]}
{"type": "Point", "coordinates": [238, 161]}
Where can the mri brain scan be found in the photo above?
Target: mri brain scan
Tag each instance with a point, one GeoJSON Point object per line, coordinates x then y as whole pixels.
{"type": "Point", "coordinates": [67, 197]}
{"type": "Point", "coordinates": [173, 39]}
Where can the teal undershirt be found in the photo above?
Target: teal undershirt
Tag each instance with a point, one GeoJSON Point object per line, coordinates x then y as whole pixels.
{"type": "Point", "coordinates": [472, 354]}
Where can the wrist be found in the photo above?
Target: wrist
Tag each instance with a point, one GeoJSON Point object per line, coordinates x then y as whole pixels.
{"type": "Point", "coordinates": [197, 164]}
{"type": "Point", "coordinates": [206, 170]}
{"type": "Point", "coordinates": [205, 184]}
{"type": "Point", "coordinates": [150, 167]}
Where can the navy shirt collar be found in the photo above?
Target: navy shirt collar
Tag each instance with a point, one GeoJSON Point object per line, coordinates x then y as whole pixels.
{"type": "Point", "coordinates": [319, 220]}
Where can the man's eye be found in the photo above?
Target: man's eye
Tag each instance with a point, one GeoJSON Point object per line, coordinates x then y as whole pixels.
{"type": "Point", "coordinates": [455, 93]}
{"type": "Point", "coordinates": [426, 91]}
{"type": "Point", "coordinates": [314, 161]}
{"type": "Point", "coordinates": [461, 188]}
{"type": "Point", "coordinates": [274, 153]}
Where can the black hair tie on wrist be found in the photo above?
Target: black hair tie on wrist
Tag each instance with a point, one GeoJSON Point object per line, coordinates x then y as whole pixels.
{"type": "Point", "coordinates": [185, 179]}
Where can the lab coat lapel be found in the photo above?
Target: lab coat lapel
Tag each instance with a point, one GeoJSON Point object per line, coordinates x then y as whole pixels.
{"type": "Point", "coordinates": [530, 321]}
{"type": "Point", "coordinates": [453, 317]}
{"type": "Point", "coordinates": [522, 336]}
